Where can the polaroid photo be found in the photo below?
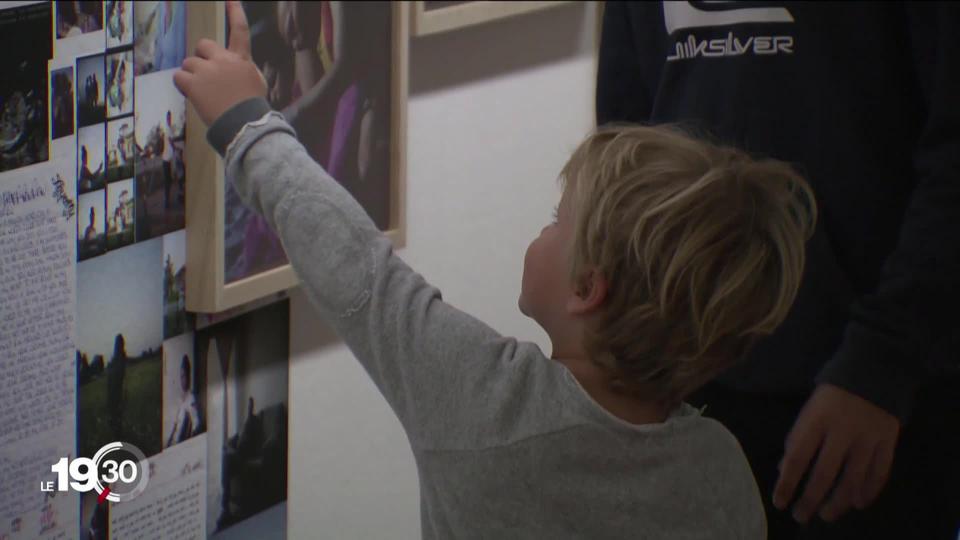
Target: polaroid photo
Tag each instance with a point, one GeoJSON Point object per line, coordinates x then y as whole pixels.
{"type": "Point", "coordinates": [91, 225]}
{"type": "Point", "coordinates": [120, 222]}
{"type": "Point", "coordinates": [91, 91]}
{"type": "Point", "coordinates": [118, 16]}
{"type": "Point", "coordinates": [91, 153]}
{"type": "Point", "coordinates": [121, 149]}
{"type": "Point", "coordinates": [119, 77]}
{"type": "Point", "coordinates": [78, 28]}
{"type": "Point", "coordinates": [62, 100]}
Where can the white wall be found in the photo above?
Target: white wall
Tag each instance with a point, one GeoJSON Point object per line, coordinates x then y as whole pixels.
{"type": "Point", "coordinates": [493, 113]}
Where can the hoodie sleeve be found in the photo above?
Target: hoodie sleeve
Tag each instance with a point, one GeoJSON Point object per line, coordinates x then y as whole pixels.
{"type": "Point", "coordinates": [435, 365]}
{"type": "Point", "coordinates": [901, 334]}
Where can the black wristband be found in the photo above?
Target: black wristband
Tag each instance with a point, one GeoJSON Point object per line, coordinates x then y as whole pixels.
{"type": "Point", "coordinates": [225, 128]}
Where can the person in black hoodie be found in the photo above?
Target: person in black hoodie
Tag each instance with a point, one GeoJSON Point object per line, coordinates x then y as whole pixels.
{"type": "Point", "coordinates": [849, 412]}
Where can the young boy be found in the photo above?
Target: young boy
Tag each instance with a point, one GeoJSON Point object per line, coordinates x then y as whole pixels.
{"type": "Point", "coordinates": [667, 257]}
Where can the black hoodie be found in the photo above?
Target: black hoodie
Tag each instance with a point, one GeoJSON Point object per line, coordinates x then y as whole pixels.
{"type": "Point", "coordinates": [864, 99]}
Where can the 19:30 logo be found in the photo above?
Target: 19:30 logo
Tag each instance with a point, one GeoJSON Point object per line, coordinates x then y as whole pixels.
{"type": "Point", "coordinates": [120, 478]}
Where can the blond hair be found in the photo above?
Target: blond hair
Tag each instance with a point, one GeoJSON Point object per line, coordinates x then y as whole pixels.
{"type": "Point", "coordinates": [701, 245]}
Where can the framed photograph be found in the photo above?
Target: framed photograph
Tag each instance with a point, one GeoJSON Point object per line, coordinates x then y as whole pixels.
{"type": "Point", "coordinates": [432, 17]}
{"type": "Point", "coordinates": [349, 111]}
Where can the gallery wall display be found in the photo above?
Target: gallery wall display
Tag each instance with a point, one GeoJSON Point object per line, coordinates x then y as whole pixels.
{"type": "Point", "coordinates": [431, 17]}
{"type": "Point", "coordinates": [337, 71]}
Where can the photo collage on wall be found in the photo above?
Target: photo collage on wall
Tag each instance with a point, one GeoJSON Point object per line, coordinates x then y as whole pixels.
{"type": "Point", "coordinates": [130, 124]}
{"type": "Point", "coordinates": [146, 374]}
{"type": "Point", "coordinates": [92, 127]}
{"type": "Point", "coordinates": [131, 183]}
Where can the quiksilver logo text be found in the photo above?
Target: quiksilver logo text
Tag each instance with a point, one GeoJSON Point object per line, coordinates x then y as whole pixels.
{"type": "Point", "coordinates": [731, 46]}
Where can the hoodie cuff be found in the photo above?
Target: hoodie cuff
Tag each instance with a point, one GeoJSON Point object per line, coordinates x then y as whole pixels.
{"type": "Point", "coordinates": [225, 128]}
{"type": "Point", "coordinates": [875, 370]}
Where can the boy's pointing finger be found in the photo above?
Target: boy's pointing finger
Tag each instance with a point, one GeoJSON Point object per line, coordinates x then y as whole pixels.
{"type": "Point", "coordinates": [239, 29]}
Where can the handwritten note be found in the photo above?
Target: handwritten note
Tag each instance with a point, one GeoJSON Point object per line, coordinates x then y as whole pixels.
{"type": "Point", "coordinates": [172, 507]}
{"type": "Point", "coordinates": [37, 354]}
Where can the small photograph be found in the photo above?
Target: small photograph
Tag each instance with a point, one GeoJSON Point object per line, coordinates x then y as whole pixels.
{"type": "Point", "coordinates": [120, 349]}
{"type": "Point", "coordinates": [161, 176]}
{"type": "Point", "coordinates": [61, 95]}
{"type": "Point", "coordinates": [119, 68]}
{"type": "Point", "coordinates": [75, 18]}
{"type": "Point", "coordinates": [90, 91]}
{"type": "Point", "coordinates": [121, 149]}
{"type": "Point", "coordinates": [119, 23]}
{"type": "Point", "coordinates": [91, 225]}
{"type": "Point", "coordinates": [120, 224]}
{"type": "Point", "coordinates": [94, 517]}
{"type": "Point", "coordinates": [91, 169]}
{"type": "Point", "coordinates": [176, 320]}
{"type": "Point", "coordinates": [160, 35]}
{"type": "Point", "coordinates": [246, 359]}
{"type": "Point", "coordinates": [25, 39]}
{"type": "Point", "coordinates": [184, 391]}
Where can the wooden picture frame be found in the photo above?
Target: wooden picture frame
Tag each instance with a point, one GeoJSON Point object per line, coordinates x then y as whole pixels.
{"type": "Point", "coordinates": [452, 15]}
{"type": "Point", "coordinates": [208, 290]}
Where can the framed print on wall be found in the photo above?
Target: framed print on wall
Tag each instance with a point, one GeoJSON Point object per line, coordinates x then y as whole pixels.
{"type": "Point", "coordinates": [338, 73]}
{"type": "Point", "coordinates": [431, 17]}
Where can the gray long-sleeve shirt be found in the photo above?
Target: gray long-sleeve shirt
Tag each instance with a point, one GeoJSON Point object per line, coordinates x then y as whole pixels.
{"type": "Point", "coordinates": [507, 443]}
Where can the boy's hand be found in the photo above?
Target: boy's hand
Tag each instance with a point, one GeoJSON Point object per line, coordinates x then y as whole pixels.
{"type": "Point", "coordinates": [216, 79]}
{"type": "Point", "coordinates": [853, 441]}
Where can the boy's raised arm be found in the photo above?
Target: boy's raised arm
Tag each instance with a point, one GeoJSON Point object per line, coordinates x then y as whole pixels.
{"type": "Point", "coordinates": [423, 354]}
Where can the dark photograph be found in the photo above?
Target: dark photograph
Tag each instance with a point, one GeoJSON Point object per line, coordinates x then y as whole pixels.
{"type": "Point", "coordinates": [26, 42]}
{"type": "Point", "coordinates": [337, 100]}
{"type": "Point", "coordinates": [248, 404]}
{"type": "Point", "coordinates": [160, 172]}
{"type": "Point", "coordinates": [75, 18]}
{"type": "Point", "coordinates": [91, 87]}
{"type": "Point", "coordinates": [120, 356]}
{"type": "Point", "coordinates": [91, 166]}
{"type": "Point", "coordinates": [91, 225]}
{"type": "Point", "coordinates": [61, 95]}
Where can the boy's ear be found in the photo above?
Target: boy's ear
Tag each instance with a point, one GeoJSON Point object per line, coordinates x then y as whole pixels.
{"type": "Point", "coordinates": [589, 293]}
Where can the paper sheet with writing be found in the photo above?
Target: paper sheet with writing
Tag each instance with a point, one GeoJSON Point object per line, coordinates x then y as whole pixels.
{"type": "Point", "coordinates": [38, 382]}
